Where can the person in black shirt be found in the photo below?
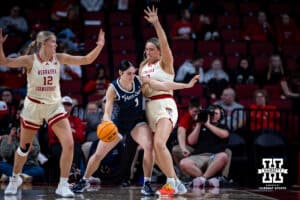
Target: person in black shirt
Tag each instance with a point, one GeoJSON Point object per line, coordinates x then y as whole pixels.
{"type": "Point", "coordinates": [209, 156]}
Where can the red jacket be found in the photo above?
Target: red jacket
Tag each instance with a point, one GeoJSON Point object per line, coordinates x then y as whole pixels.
{"type": "Point", "coordinates": [264, 117]}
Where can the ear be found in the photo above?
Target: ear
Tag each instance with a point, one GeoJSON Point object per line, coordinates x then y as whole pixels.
{"type": "Point", "coordinates": [120, 72]}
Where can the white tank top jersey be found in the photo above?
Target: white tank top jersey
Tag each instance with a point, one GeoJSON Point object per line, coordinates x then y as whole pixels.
{"type": "Point", "coordinates": [43, 81]}
{"type": "Point", "coordinates": [154, 71]}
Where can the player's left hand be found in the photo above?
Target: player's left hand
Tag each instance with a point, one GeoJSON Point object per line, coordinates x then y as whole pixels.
{"type": "Point", "coordinates": [193, 81]}
{"type": "Point", "coordinates": [101, 38]}
{"type": "Point", "coordinates": [151, 15]}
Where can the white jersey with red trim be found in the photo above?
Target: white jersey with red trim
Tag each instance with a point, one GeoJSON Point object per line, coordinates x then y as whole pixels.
{"type": "Point", "coordinates": [43, 81]}
{"type": "Point", "coordinates": [154, 71]}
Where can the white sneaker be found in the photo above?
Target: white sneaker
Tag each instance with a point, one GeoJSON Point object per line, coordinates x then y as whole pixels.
{"type": "Point", "coordinates": [214, 182]}
{"type": "Point", "coordinates": [64, 190]}
{"type": "Point", "coordinates": [199, 182]}
{"type": "Point", "coordinates": [94, 180]}
{"type": "Point", "coordinates": [14, 183]}
{"type": "Point", "coordinates": [181, 189]}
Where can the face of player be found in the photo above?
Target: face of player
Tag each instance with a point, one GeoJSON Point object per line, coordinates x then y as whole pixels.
{"type": "Point", "coordinates": [152, 52]}
{"type": "Point", "coordinates": [50, 45]}
{"type": "Point", "coordinates": [128, 74]}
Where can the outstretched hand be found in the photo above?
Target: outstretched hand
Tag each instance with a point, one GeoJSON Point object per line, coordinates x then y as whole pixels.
{"type": "Point", "coordinates": [193, 81]}
{"type": "Point", "coordinates": [2, 38]}
{"type": "Point", "coordinates": [151, 15]}
{"type": "Point", "coordinates": [101, 38]}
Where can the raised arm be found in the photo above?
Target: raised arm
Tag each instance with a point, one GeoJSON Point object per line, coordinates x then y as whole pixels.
{"type": "Point", "coordinates": [167, 86]}
{"type": "Point", "coordinates": [21, 61]}
{"type": "Point", "coordinates": [110, 98]}
{"type": "Point", "coordinates": [87, 59]}
{"type": "Point", "coordinates": [166, 53]}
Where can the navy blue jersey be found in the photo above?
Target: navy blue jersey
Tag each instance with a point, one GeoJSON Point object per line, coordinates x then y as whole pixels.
{"type": "Point", "coordinates": [128, 105]}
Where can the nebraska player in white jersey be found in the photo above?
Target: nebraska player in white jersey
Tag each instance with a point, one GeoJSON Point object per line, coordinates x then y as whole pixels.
{"type": "Point", "coordinates": [161, 108]}
{"type": "Point", "coordinates": [43, 101]}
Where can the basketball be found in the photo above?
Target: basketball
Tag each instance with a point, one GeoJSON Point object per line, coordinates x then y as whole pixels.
{"type": "Point", "coordinates": [107, 131]}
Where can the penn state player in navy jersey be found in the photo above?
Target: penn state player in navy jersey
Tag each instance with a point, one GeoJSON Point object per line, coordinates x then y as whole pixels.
{"type": "Point", "coordinates": [124, 106]}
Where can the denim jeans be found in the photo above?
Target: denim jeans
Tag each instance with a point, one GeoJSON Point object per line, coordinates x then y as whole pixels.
{"type": "Point", "coordinates": [34, 171]}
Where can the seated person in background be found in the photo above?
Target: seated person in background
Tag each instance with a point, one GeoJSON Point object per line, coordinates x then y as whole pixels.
{"type": "Point", "coordinates": [5, 118]}
{"type": "Point", "coordinates": [93, 117]}
{"type": "Point", "coordinates": [8, 145]}
{"type": "Point", "coordinates": [209, 156]}
{"type": "Point", "coordinates": [69, 72]}
{"type": "Point", "coordinates": [244, 72]}
{"type": "Point", "coordinates": [188, 69]}
{"type": "Point", "coordinates": [78, 136]}
{"type": "Point", "coordinates": [14, 23]}
{"type": "Point", "coordinates": [183, 28]}
{"type": "Point", "coordinates": [233, 120]}
{"type": "Point", "coordinates": [216, 79]}
{"type": "Point", "coordinates": [276, 76]}
{"type": "Point", "coordinates": [206, 28]}
{"type": "Point", "coordinates": [262, 115]}
{"type": "Point", "coordinates": [260, 30]}
{"type": "Point", "coordinates": [186, 126]}
{"type": "Point", "coordinates": [98, 85]}
{"type": "Point", "coordinates": [287, 31]}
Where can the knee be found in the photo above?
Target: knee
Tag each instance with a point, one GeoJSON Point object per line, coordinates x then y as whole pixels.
{"type": "Point", "coordinates": [159, 144]}
{"type": "Point", "coordinates": [185, 164]}
{"type": "Point", "coordinates": [148, 147]}
{"type": "Point", "coordinates": [68, 146]}
{"type": "Point", "coordinates": [223, 157]}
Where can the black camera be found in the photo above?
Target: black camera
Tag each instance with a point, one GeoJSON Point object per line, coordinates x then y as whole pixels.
{"type": "Point", "coordinates": [203, 114]}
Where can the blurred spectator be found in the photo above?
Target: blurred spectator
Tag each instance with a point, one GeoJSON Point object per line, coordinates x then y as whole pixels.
{"type": "Point", "coordinates": [60, 8]}
{"type": "Point", "coordinates": [206, 28]}
{"type": "Point", "coordinates": [216, 79]}
{"type": "Point", "coordinates": [233, 120]}
{"type": "Point", "coordinates": [183, 28]}
{"type": "Point", "coordinates": [244, 72]}
{"type": "Point", "coordinates": [70, 28]}
{"type": "Point", "coordinates": [35, 28]}
{"type": "Point", "coordinates": [7, 95]}
{"type": "Point", "coordinates": [14, 23]}
{"type": "Point", "coordinates": [186, 126]}
{"type": "Point", "coordinates": [93, 118]}
{"type": "Point", "coordinates": [122, 4]}
{"type": "Point", "coordinates": [92, 5]}
{"type": "Point", "coordinates": [263, 115]}
{"type": "Point", "coordinates": [78, 137]}
{"type": "Point", "coordinates": [8, 146]}
{"type": "Point", "coordinates": [69, 72]}
{"type": "Point", "coordinates": [286, 31]}
{"type": "Point", "coordinates": [190, 68]}
{"type": "Point", "coordinates": [276, 76]}
{"type": "Point", "coordinates": [259, 30]}
{"type": "Point", "coordinates": [209, 157]}
{"type": "Point", "coordinates": [97, 85]}
{"type": "Point", "coordinates": [4, 118]}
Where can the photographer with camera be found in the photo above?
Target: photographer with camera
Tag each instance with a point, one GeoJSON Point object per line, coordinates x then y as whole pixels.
{"type": "Point", "coordinates": [186, 125]}
{"type": "Point", "coordinates": [209, 156]}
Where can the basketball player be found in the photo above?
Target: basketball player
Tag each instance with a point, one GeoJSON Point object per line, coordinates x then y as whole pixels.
{"type": "Point", "coordinates": [43, 101]}
{"type": "Point", "coordinates": [124, 106]}
{"type": "Point", "coordinates": [161, 110]}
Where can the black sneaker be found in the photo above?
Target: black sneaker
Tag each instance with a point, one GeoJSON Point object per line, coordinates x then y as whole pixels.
{"type": "Point", "coordinates": [80, 186]}
{"type": "Point", "coordinates": [147, 189]}
{"type": "Point", "coordinates": [126, 183]}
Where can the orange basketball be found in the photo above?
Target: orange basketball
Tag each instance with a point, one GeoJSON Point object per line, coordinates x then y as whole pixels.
{"type": "Point", "coordinates": [107, 131]}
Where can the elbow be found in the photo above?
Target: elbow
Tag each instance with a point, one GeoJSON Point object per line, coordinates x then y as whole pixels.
{"type": "Point", "coordinates": [225, 134]}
